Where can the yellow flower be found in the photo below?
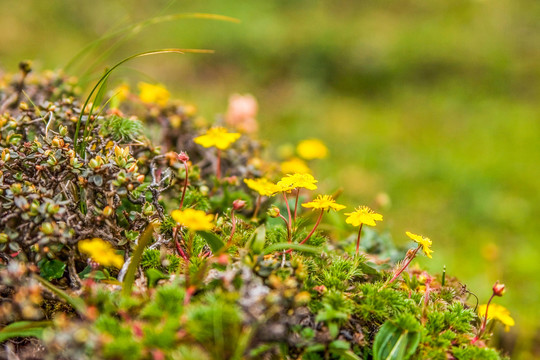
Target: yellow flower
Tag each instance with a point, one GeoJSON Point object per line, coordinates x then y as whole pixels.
{"type": "Point", "coordinates": [289, 182]}
{"type": "Point", "coordinates": [324, 202]}
{"type": "Point", "coordinates": [423, 241]}
{"type": "Point", "coordinates": [262, 186]}
{"type": "Point", "coordinates": [363, 215]}
{"type": "Point", "coordinates": [153, 94]}
{"type": "Point", "coordinates": [218, 137]}
{"type": "Point", "coordinates": [312, 149]}
{"type": "Point", "coordinates": [194, 220]}
{"type": "Point", "coordinates": [101, 252]}
{"type": "Point", "coordinates": [295, 165]}
{"type": "Point", "coordinates": [497, 312]}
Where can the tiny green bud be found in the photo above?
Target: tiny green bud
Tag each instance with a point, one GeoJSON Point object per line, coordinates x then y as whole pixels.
{"type": "Point", "coordinates": [52, 160]}
{"type": "Point", "coordinates": [63, 130]}
{"type": "Point", "coordinates": [273, 212]}
{"type": "Point", "coordinates": [47, 228]}
{"type": "Point", "coordinates": [16, 188]}
{"type": "Point", "coordinates": [3, 238]}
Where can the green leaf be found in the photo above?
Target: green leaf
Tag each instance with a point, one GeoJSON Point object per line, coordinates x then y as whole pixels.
{"type": "Point", "coordinates": [212, 240]}
{"type": "Point", "coordinates": [51, 269]}
{"type": "Point", "coordinates": [394, 343]}
{"type": "Point", "coordinates": [136, 258]}
{"type": "Point", "coordinates": [24, 329]}
{"type": "Point", "coordinates": [154, 275]}
{"type": "Point", "coordinates": [287, 246]}
{"type": "Point", "coordinates": [257, 240]}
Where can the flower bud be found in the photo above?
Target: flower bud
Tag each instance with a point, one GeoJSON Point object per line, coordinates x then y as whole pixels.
{"type": "Point", "coordinates": [63, 130]}
{"type": "Point", "coordinates": [107, 211]}
{"type": "Point", "coordinates": [183, 157]}
{"type": "Point", "coordinates": [238, 204]}
{"type": "Point", "coordinates": [47, 228]}
{"type": "Point", "coordinates": [3, 238]}
{"type": "Point", "coordinates": [273, 212]}
{"type": "Point", "coordinates": [140, 178]}
{"type": "Point", "coordinates": [498, 289]}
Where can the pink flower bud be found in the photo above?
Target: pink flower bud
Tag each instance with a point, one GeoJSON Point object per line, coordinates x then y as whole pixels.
{"type": "Point", "coordinates": [183, 157]}
{"type": "Point", "coordinates": [238, 204]}
{"type": "Point", "coordinates": [498, 289]}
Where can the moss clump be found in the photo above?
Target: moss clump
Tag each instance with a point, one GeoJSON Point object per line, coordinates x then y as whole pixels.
{"type": "Point", "coordinates": [259, 286]}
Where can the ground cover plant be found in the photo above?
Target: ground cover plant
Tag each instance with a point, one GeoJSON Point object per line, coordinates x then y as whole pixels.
{"type": "Point", "coordinates": [193, 246]}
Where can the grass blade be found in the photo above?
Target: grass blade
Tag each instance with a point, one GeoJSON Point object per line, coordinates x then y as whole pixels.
{"type": "Point", "coordinates": [135, 28]}
{"type": "Point", "coordinates": [99, 87]}
{"type": "Point", "coordinates": [144, 241]}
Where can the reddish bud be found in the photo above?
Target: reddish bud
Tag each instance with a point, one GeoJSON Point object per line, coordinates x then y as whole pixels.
{"type": "Point", "coordinates": [223, 259]}
{"type": "Point", "coordinates": [238, 204]}
{"type": "Point", "coordinates": [183, 157]}
{"type": "Point", "coordinates": [498, 289]}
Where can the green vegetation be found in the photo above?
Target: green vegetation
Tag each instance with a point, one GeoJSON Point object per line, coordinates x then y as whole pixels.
{"type": "Point", "coordinates": [218, 278]}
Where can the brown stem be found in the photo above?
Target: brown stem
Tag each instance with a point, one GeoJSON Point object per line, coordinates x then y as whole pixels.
{"type": "Point", "coordinates": [358, 239]}
{"type": "Point", "coordinates": [185, 186]}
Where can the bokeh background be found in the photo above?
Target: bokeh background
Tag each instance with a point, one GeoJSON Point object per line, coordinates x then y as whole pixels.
{"type": "Point", "coordinates": [433, 103]}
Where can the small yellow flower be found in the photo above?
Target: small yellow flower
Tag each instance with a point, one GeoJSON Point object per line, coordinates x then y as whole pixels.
{"type": "Point", "coordinates": [312, 149]}
{"type": "Point", "coordinates": [289, 182]}
{"type": "Point", "coordinates": [497, 312]}
{"type": "Point", "coordinates": [324, 202]}
{"type": "Point", "coordinates": [101, 252]}
{"type": "Point", "coordinates": [363, 215]}
{"type": "Point", "coordinates": [262, 186]}
{"type": "Point", "coordinates": [194, 220]}
{"type": "Point", "coordinates": [425, 242]}
{"type": "Point", "coordinates": [218, 137]}
{"type": "Point", "coordinates": [295, 165]}
{"type": "Point", "coordinates": [153, 94]}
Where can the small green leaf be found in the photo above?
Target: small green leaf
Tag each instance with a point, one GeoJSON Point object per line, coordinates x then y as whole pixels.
{"type": "Point", "coordinates": [24, 329]}
{"type": "Point", "coordinates": [154, 276]}
{"type": "Point", "coordinates": [257, 240]}
{"type": "Point", "coordinates": [212, 240]}
{"type": "Point", "coordinates": [394, 343]}
{"type": "Point", "coordinates": [51, 269]}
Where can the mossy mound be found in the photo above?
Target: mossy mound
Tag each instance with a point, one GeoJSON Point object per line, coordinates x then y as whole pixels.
{"type": "Point", "coordinates": [251, 287]}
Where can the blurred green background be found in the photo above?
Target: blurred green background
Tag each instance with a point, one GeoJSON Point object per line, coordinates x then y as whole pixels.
{"type": "Point", "coordinates": [435, 103]}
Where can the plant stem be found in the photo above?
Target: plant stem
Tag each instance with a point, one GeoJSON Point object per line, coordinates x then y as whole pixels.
{"type": "Point", "coordinates": [288, 227]}
{"type": "Point", "coordinates": [233, 227]}
{"type": "Point", "coordinates": [177, 243]}
{"type": "Point", "coordinates": [358, 239]}
{"type": "Point", "coordinates": [296, 203]}
{"type": "Point", "coordinates": [185, 185]}
{"type": "Point", "coordinates": [288, 207]}
{"type": "Point", "coordinates": [483, 327]}
{"type": "Point", "coordinates": [257, 207]}
{"type": "Point", "coordinates": [312, 231]}
{"type": "Point", "coordinates": [412, 256]}
{"type": "Point", "coordinates": [218, 165]}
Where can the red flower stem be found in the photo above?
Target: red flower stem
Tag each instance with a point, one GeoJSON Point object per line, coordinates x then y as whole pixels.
{"type": "Point", "coordinates": [185, 185]}
{"type": "Point", "coordinates": [312, 231]}
{"type": "Point", "coordinates": [257, 207]}
{"type": "Point", "coordinates": [296, 203]}
{"type": "Point", "coordinates": [288, 227]}
{"type": "Point", "coordinates": [413, 255]}
{"type": "Point", "coordinates": [178, 247]}
{"type": "Point", "coordinates": [288, 208]}
{"type": "Point", "coordinates": [483, 327]}
{"type": "Point", "coordinates": [233, 227]}
{"type": "Point", "coordinates": [358, 239]}
{"type": "Point", "coordinates": [218, 166]}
